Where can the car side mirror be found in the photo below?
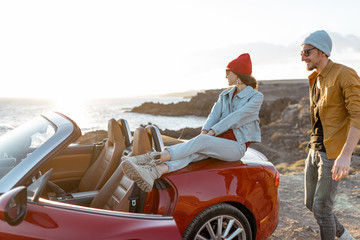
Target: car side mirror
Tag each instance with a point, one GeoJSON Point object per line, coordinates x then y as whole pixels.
{"type": "Point", "coordinates": [13, 206]}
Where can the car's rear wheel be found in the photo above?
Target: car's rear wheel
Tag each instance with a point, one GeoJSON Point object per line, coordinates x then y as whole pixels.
{"type": "Point", "coordinates": [220, 221]}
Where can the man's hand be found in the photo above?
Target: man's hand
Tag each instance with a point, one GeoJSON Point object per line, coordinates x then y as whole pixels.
{"type": "Point", "coordinates": [342, 162]}
{"type": "Point", "coordinates": [341, 167]}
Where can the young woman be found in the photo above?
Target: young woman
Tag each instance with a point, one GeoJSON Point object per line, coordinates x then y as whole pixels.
{"type": "Point", "coordinates": [231, 126]}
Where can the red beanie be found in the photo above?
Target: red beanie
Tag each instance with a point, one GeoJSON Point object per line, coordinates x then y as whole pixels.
{"type": "Point", "coordinates": [241, 65]}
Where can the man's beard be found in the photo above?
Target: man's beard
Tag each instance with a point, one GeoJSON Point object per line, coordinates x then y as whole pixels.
{"type": "Point", "coordinates": [310, 68]}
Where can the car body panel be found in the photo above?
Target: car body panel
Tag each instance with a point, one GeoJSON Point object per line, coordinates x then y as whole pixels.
{"type": "Point", "coordinates": [45, 221]}
{"type": "Point", "coordinates": [206, 183]}
{"type": "Point", "coordinates": [228, 184]}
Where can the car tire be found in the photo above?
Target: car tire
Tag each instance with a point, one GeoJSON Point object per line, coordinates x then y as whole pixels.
{"type": "Point", "coordinates": [206, 225]}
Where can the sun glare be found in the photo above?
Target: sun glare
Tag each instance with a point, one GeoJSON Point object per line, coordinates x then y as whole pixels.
{"type": "Point", "coordinates": [74, 109]}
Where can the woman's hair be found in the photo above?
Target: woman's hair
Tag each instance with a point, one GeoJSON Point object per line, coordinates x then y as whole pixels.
{"type": "Point", "coordinates": [248, 80]}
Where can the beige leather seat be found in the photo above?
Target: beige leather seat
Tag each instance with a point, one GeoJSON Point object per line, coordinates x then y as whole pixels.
{"type": "Point", "coordinates": [116, 192]}
{"type": "Point", "coordinates": [107, 161]}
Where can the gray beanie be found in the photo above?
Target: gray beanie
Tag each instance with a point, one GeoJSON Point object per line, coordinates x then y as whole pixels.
{"type": "Point", "coordinates": [321, 40]}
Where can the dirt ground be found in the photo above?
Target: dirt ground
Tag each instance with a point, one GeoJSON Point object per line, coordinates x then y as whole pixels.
{"type": "Point", "coordinates": [297, 222]}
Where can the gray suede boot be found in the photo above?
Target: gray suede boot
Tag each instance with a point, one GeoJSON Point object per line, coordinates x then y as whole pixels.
{"type": "Point", "coordinates": [346, 236]}
{"type": "Point", "coordinates": [144, 159]}
{"type": "Point", "coordinates": [144, 175]}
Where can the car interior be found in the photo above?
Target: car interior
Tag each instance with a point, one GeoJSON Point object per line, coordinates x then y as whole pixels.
{"type": "Point", "coordinates": [107, 160]}
{"type": "Point", "coordinates": [103, 184]}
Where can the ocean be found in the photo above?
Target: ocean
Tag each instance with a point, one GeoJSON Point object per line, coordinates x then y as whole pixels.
{"type": "Point", "coordinates": [91, 115]}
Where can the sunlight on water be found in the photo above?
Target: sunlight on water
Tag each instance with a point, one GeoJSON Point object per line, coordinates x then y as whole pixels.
{"type": "Point", "coordinates": [93, 114]}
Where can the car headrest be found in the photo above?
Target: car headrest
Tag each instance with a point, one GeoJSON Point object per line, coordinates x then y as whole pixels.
{"type": "Point", "coordinates": [125, 129]}
{"type": "Point", "coordinates": [141, 142]}
{"type": "Point", "coordinates": [156, 139]}
{"type": "Point", "coordinates": [114, 132]}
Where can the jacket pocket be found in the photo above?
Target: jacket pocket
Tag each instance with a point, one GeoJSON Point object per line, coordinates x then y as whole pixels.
{"type": "Point", "coordinates": [332, 111]}
{"type": "Point", "coordinates": [332, 96]}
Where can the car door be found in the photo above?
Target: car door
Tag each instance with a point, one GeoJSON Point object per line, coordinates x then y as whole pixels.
{"type": "Point", "coordinates": [51, 220]}
{"type": "Point", "coordinates": [70, 166]}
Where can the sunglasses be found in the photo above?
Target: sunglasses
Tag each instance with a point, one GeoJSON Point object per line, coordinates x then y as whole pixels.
{"type": "Point", "coordinates": [306, 52]}
{"type": "Point", "coordinates": [227, 72]}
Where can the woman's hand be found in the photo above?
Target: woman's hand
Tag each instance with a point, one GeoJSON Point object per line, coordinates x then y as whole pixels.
{"type": "Point", "coordinates": [204, 132]}
{"type": "Point", "coordinates": [211, 133]}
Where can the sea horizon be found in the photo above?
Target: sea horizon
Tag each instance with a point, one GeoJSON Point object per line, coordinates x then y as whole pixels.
{"type": "Point", "coordinates": [93, 114]}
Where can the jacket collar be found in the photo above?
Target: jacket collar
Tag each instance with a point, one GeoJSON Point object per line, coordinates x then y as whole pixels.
{"type": "Point", "coordinates": [324, 73]}
{"type": "Point", "coordinates": [327, 69]}
{"type": "Point", "coordinates": [242, 94]}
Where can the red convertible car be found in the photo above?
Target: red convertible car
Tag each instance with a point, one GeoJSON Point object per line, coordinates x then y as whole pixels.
{"type": "Point", "coordinates": [51, 187]}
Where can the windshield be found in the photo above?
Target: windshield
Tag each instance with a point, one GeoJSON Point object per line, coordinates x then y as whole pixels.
{"type": "Point", "coordinates": [17, 145]}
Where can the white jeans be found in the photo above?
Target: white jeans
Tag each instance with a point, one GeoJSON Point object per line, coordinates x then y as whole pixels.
{"type": "Point", "coordinates": [201, 147]}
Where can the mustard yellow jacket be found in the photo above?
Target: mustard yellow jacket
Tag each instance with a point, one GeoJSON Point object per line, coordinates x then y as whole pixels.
{"type": "Point", "coordinates": [339, 106]}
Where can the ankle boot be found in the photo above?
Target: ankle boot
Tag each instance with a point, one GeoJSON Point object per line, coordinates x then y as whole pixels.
{"type": "Point", "coordinates": [144, 175]}
{"type": "Point", "coordinates": [144, 159]}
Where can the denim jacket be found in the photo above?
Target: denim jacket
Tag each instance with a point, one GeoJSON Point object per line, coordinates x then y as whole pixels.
{"type": "Point", "coordinates": [240, 113]}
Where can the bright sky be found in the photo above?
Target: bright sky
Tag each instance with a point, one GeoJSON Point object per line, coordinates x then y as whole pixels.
{"type": "Point", "coordinates": [81, 49]}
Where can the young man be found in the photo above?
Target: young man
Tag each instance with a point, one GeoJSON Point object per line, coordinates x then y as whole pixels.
{"type": "Point", "coordinates": [335, 118]}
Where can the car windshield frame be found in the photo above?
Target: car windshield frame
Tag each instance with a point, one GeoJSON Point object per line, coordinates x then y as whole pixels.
{"type": "Point", "coordinates": [41, 138]}
{"type": "Point", "coordinates": [17, 145]}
